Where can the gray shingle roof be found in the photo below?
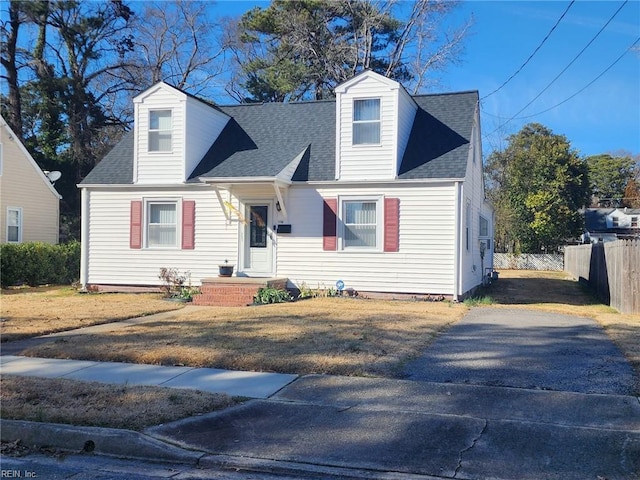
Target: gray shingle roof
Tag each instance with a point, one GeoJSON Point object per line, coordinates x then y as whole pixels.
{"type": "Point", "coordinates": [261, 139]}
{"type": "Point", "coordinates": [439, 143]}
{"type": "Point", "coordinates": [116, 168]}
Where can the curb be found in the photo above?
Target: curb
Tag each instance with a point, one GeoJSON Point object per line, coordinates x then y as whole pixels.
{"type": "Point", "coordinates": [101, 441]}
{"type": "Point", "coordinates": [303, 470]}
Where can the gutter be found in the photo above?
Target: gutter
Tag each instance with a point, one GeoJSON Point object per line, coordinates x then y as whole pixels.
{"type": "Point", "coordinates": [84, 238]}
{"type": "Point", "coordinates": [457, 253]}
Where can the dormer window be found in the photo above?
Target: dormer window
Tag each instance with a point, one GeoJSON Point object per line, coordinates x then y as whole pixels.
{"type": "Point", "coordinates": [160, 131]}
{"type": "Point", "coordinates": [366, 121]}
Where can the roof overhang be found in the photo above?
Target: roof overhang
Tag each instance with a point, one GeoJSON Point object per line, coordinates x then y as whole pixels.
{"type": "Point", "coordinates": [227, 183]}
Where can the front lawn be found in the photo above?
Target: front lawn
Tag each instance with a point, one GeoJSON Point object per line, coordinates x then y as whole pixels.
{"type": "Point", "coordinates": [31, 312]}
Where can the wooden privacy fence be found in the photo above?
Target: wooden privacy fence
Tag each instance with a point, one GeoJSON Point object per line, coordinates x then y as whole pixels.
{"type": "Point", "coordinates": [528, 261]}
{"type": "Point", "coordinates": [611, 269]}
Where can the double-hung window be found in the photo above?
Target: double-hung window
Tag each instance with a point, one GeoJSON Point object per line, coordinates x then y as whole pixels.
{"type": "Point", "coordinates": [361, 224]}
{"type": "Point", "coordinates": [366, 121]}
{"type": "Point", "coordinates": [160, 128]}
{"type": "Point", "coordinates": [14, 224]}
{"type": "Point", "coordinates": [162, 224]}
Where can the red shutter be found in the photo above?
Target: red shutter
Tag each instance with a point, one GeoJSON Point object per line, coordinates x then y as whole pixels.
{"type": "Point", "coordinates": [329, 211]}
{"type": "Point", "coordinates": [188, 224]}
{"type": "Point", "coordinates": [135, 225]}
{"type": "Point", "coordinates": [391, 224]}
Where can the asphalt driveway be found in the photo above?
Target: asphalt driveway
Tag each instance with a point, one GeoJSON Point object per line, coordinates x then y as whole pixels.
{"type": "Point", "coordinates": [526, 349]}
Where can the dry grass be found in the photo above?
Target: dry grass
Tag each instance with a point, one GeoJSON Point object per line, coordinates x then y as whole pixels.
{"type": "Point", "coordinates": [340, 336]}
{"type": "Point", "coordinates": [325, 335]}
{"type": "Point", "coordinates": [39, 311]}
{"type": "Point", "coordinates": [95, 404]}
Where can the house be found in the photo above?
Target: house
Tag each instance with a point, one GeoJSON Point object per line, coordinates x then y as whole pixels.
{"type": "Point", "coordinates": [30, 209]}
{"type": "Point", "coordinates": [610, 224]}
{"type": "Point", "coordinates": [377, 190]}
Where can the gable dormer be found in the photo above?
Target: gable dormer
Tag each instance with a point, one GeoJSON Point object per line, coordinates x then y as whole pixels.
{"type": "Point", "coordinates": [374, 116]}
{"type": "Point", "coordinates": [163, 115]}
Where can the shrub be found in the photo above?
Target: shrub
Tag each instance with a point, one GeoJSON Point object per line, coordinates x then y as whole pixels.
{"type": "Point", "coordinates": [36, 263]}
{"type": "Point", "coordinates": [176, 284]}
{"type": "Point", "coordinates": [271, 295]}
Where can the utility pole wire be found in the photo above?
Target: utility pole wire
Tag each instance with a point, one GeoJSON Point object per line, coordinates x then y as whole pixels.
{"type": "Point", "coordinates": [534, 52]}
{"type": "Point", "coordinates": [579, 91]}
{"type": "Point", "coordinates": [563, 70]}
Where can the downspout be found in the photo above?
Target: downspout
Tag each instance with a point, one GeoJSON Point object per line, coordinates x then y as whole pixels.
{"type": "Point", "coordinates": [84, 239]}
{"type": "Point", "coordinates": [457, 254]}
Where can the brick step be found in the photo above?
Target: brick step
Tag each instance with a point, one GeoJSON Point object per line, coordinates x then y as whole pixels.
{"type": "Point", "coordinates": [233, 291]}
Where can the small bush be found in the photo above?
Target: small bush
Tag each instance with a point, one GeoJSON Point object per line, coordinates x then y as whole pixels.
{"type": "Point", "coordinates": [176, 284]}
{"type": "Point", "coordinates": [36, 263]}
{"type": "Point", "coordinates": [271, 295]}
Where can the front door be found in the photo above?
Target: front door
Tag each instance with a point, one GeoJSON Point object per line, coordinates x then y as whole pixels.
{"type": "Point", "coordinates": [258, 241]}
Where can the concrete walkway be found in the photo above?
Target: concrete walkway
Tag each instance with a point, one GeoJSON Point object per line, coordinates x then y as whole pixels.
{"type": "Point", "coordinates": [241, 384]}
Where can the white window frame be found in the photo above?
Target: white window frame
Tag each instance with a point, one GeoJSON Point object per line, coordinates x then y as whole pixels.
{"type": "Point", "coordinates": [634, 222]}
{"type": "Point", "coordinates": [615, 222]}
{"type": "Point", "coordinates": [379, 201]}
{"type": "Point", "coordinates": [20, 223]}
{"type": "Point", "coordinates": [355, 122]}
{"type": "Point", "coordinates": [467, 225]}
{"type": "Point", "coordinates": [159, 131]}
{"type": "Point", "coordinates": [486, 237]}
{"type": "Point", "coordinates": [178, 225]}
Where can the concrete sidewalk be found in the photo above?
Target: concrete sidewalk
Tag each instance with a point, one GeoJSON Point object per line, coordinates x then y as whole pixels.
{"type": "Point", "coordinates": [241, 384]}
{"type": "Point", "coordinates": [342, 425]}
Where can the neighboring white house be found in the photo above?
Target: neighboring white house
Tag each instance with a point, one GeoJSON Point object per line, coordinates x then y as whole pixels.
{"type": "Point", "coordinates": [611, 224]}
{"type": "Point", "coordinates": [377, 188]}
{"type": "Point", "coordinates": [30, 205]}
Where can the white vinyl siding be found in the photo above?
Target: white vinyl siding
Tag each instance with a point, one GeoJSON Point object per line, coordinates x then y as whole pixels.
{"type": "Point", "coordinates": [160, 129]}
{"type": "Point", "coordinates": [14, 225]}
{"type": "Point", "coordinates": [473, 265]}
{"type": "Point", "coordinates": [423, 264]}
{"type": "Point", "coordinates": [203, 124]}
{"type": "Point", "coordinates": [159, 167]}
{"type": "Point", "coordinates": [366, 161]}
{"type": "Point", "coordinates": [407, 109]}
{"type": "Point", "coordinates": [112, 261]}
{"type": "Point", "coordinates": [163, 116]}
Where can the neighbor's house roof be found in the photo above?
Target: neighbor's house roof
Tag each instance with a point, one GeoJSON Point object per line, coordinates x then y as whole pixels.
{"type": "Point", "coordinates": [260, 140]}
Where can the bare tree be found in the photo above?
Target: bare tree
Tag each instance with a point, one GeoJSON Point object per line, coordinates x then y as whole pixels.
{"type": "Point", "coordinates": [177, 42]}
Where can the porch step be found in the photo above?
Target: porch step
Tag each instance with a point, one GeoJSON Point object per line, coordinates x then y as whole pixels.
{"type": "Point", "coordinates": [234, 291]}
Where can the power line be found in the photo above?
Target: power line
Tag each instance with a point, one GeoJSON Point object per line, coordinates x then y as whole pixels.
{"type": "Point", "coordinates": [579, 91]}
{"type": "Point", "coordinates": [534, 52]}
{"type": "Point", "coordinates": [563, 70]}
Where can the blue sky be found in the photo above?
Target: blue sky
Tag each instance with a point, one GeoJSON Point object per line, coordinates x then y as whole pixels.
{"type": "Point", "coordinates": [605, 117]}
